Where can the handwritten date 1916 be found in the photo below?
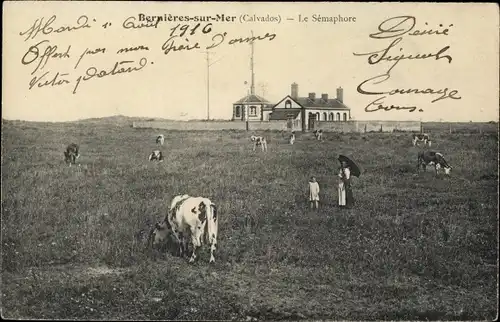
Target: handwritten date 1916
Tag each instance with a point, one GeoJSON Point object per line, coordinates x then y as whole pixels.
{"type": "Point", "coordinates": [46, 27]}
{"type": "Point", "coordinates": [184, 28]}
{"type": "Point", "coordinates": [119, 68]}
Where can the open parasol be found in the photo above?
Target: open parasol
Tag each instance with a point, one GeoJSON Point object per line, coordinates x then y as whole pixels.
{"type": "Point", "coordinates": [351, 164]}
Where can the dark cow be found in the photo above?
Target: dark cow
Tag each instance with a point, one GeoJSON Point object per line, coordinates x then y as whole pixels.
{"type": "Point", "coordinates": [318, 134]}
{"type": "Point", "coordinates": [421, 137]}
{"type": "Point", "coordinates": [71, 154]}
{"type": "Point", "coordinates": [426, 158]}
{"type": "Point", "coordinates": [156, 155]}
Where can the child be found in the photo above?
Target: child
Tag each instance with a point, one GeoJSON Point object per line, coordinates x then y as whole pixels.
{"type": "Point", "coordinates": [313, 192]}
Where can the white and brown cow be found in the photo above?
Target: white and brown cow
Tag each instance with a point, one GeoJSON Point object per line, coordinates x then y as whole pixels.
{"type": "Point", "coordinates": [318, 134]}
{"type": "Point", "coordinates": [71, 154]}
{"type": "Point", "coordinates": [189, 216]}
{"type": "Point", "coordinates": [160, 139]}
{"type": "Point", "coordinates": [259, 141]}
{"type": "Point", "coordinates": [421, 137]}
{"type": "Point", "coordinates": [156, 155]}
{"type": "Point", "coordinates": [426, 158]}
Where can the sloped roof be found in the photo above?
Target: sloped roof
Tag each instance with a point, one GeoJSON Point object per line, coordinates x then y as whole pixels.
{"type": "Point", "coordinates": [283, 114]}
{"type": "Point", "coordinates": [252, 99]}
{"type": "Point", "coordinates": [331, 103]}
{"type": "Point", "coordinates": [319, 102]}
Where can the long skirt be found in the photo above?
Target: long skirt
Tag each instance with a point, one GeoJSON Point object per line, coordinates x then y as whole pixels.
{"type": "Point", "coordinates": [345, 195]}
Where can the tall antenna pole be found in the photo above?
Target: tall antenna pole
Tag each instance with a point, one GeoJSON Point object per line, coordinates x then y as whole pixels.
{"type": "Point", "coordinates": [208, 86]}
{"type": "Point", "coordinates": [252, 87]}
{"type": "Point", "coordinates": [208, 80]}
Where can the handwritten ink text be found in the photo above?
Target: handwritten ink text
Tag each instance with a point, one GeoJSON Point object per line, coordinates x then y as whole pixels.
{"type": "Point", "coordinates": [39, 26]}
{"type": "Point", "coordinates": [89, 52]}
{"type": "Point", "coordinates": [33, 54]}
{"type": "Point", "coordinates": [398, 28]}
{"type": "Point", "coordinates": [118, 68]}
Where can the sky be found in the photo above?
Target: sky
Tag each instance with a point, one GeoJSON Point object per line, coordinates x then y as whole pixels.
{"type": "Point", "coordinates": [318, 56]}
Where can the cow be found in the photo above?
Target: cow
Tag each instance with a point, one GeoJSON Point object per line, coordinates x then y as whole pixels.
{"type": "Point", "coordinates": [156, 155]}
{"type": "Point", "coordinates": [160, 139]}
{"type": "Point", "coordinates": [292, 138]}
{"type": "Point", "coordinates": [189, 216]}
{"type": "Point", "coordinates": [71, 154]}
{"type": "Point", "coordinates": [421, 137]}
{"type": "Point", "coordinates": [426, 158]}
{"type": "Point", "coordinates": [318, 134]}
{"type": "Point", "coordinates": [259, 141]}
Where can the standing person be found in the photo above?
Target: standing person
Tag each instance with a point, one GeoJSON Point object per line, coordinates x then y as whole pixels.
{"type": "Point", "coordinates": [345, 191]}
{"type": "Point", "coordinates": [313, 193]}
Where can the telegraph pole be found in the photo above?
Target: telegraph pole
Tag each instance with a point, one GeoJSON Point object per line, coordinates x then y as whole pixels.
{"type": "Point", "coordinates": [208, 80]}
{"type": "Point", "coordinates": [208, 85]}
{"type": "Point", "coordinates": [252, 87]}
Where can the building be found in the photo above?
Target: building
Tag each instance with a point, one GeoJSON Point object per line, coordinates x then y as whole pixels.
{"type": "Point", "coordinates": [303, 112]}
{"type": "Point", "coordinates": [251, 108]}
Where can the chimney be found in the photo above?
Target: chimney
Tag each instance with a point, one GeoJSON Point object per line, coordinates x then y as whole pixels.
{"type": "Point", "coordinates": [295, 91]}
{"type": "Point", "coordinates": [324, 97]}
{"type": "Point", "coordinates": [340, 94]}
{"type": "Point", "coordinates": [312, 96]}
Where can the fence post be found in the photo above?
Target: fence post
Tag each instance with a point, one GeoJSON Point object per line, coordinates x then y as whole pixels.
{"type": "Point", "coordinates": [421, 128]}
{"type": "Point", "coordinates": [246, 125]}
{"type": "Point", "coordinates": [450, 129]}
{"type": "Point", "coordinates": [365, 128]}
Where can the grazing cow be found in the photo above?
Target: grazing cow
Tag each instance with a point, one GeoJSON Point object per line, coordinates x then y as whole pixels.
{"type": "Point", "coordinates": [194, 216]}
{"type": "Point", "coordinates": [421, 137]}
{"type": "Point", "coordinates": [160, 139]}
{"type": "Point", "coordinates": [292, 138]}
{"type": "Point", "coordinates": [259, 140]}
{"type": "Point", "coordinates": [71, 154]}
{"type": "Point", "coordinates": [426, 158]}
{"type": "Point", "coordinates": [318, 134]}
{"type": "Point", "coordinates": [156, 155]}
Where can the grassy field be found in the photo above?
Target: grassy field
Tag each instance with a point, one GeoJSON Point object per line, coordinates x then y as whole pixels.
{"type": "Point", "coordinates": [414, 246]}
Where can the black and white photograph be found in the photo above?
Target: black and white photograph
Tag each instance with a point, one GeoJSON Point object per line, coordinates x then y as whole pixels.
{"type": "Point", "coordinates": [249, 161]}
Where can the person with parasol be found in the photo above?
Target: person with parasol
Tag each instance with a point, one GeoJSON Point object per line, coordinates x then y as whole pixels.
{"type": "Point", "coordinates": [347, 169]}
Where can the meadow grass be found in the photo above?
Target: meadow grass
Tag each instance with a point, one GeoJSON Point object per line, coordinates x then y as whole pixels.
{"type": "Point", "coordinates": [413, 247]}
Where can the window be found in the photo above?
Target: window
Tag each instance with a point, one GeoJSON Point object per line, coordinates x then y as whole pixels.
{"type": "Point", "coordinates": [324, 116]}
{"type": "Point", "coordinates": [253, 111]}
{"type": "Point", "coordinates": [317, 116]}
{"type": "Point", "coordinates": [288, 104]}
{"type": "Point", "coordinates": [338, 116]}
{"type": "Point", "coordinates": [345, 117]}
{"type": "Point", "coordinates": [331, 117]}
{"type": "Point", "coordinates": [237, 112]}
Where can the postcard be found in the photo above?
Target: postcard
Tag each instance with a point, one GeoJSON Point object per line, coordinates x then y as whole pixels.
{"type": "Point", "coordinates": [249, 160]}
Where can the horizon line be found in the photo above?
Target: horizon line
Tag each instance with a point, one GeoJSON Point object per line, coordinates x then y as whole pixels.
{"type": "Point", "coordinates": [148, 118]}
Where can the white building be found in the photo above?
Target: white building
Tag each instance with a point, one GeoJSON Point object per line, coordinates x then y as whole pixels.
{"type": "Point", "coordinates": [308, 110]}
